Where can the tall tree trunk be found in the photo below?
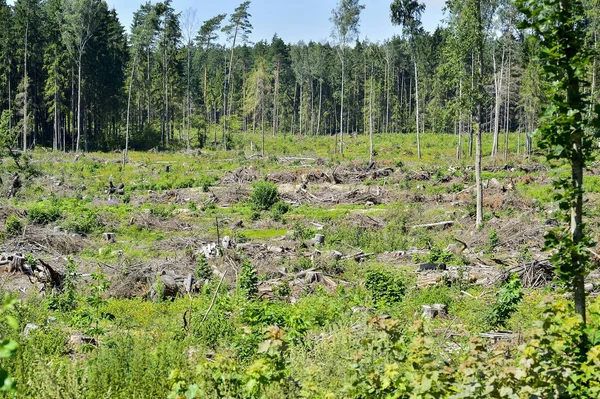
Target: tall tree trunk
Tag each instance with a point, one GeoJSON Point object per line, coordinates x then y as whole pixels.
{"type": "Point", "coordinates": [79, 105]}
{"type": "Point", "coordinates": [460, 122]}
{"type": "Point", "coordinates": [148, 94]}
{"type": "Point", "coordinates": [25, 90]}
{"type": "Point", "coordinates": [301, 108]}
{"type": "Point", "coordinates": [371, 119]}
{"type": "Point", "coordinates": [507, 108]}
{"type": "Point", "coordinates": [417, 107]}
{"type": "Point", "coordinates": [227, 84]}
{"type": "Point", "coordinates": [498, 76]}
{"type": "Point", "coordinates": [128, 109]}
{"type": "Point", "coordinates": [478, 182]}
{"type": "Point", "coordinates": [189, 102]}
{"type": "Point", "coordinates": [312, 108]}
{"type": "Point", "coordinates": [275, 97]}
{"type": "Point", "coordinates": [320, 103]}
{"type": "Point", "coordinates": [9, 100]}
{"type": "Point", "coordinates": [294, 109]}
{"type": "Point", "coordinates": [387, 100]}
{"type": "Point", "coordinates": [342, 107]}
{"type": "Point", "coordinates": [55, 138]}
{"type": "Point", "coordinates": [204, 93]}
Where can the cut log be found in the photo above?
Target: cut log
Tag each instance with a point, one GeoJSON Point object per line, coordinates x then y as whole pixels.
{"type": "Point", "coordinates": [438, 224]}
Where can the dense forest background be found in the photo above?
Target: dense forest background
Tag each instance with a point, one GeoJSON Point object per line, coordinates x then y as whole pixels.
{"type": "Point", "coordinates": [71, 77]}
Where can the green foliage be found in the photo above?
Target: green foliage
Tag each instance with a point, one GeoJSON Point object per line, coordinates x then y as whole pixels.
{"type": "Point", "coordinates": [66, 299]}
{"type": "Point", "coordinates": [279, 209]}
{"type": "Point", "coordinates": [203, 270]}
{"type": "Point", "coordinates": [248, 280]}
{"type": "Point", "coordinates": [384, 287]}
{"type": "Point", "coordinates": [493, 240]}
{"type": "Point", "coordinates": [83, 221]}
{"type": "Point", "coordinates": [43, 213]}
{"type": "Point", "coordinates": [569, 127]}
{"type": "Point", "coordinates": [13, 225]}
{"type": "Point", "coordinates": [507, 300]}
{"type": "Point", "coordinates": [264, 196]}
{"type": "Point", "coordinates": [437, 256]}
{"type": "Point", "coordinates": [8, 347]}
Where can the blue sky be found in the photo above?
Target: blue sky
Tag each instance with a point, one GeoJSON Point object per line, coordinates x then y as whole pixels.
{"type": "Point", "coordinates": [294, 20]}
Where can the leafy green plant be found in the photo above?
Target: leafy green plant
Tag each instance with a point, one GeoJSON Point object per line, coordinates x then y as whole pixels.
{"type": "Point", "coordinates": [83, 221]}
{"type": "Point", "coordinates": [13, 226]}
{"type": "Point", "coordinates": [203, 270]}
{"type": "Point", "coordinates": [384, 287]}
{"type": "Point", "coordinates": [43, 213]}
{"type": "Point", "coordinates": [248, 280]}
{"type": "Point", "coordinates": [569, 128]}
{"type": "Point", "coordinates": [493, 240]}
{"type": "Point", "coordinates": [8, 347]}
{"type": "Point", "coordinates": [507, 300]}
{"type": "Point", "coordinates": [264, 196]}
{"type": "Point", "coordinates": [279, 209]}
{"type": "Point", "coordinates": [66, 299]}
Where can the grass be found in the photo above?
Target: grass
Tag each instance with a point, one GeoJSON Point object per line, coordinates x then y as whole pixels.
{"type": "Point", "coordinates": [145, 345]}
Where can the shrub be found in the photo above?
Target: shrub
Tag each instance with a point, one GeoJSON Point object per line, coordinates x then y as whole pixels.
{"type": "Point", "coordinates": [264, 196]}
{"type": "Point", "coordinates": [507, 300]}
{"type": "Point", "coordinates": [248, 280]}
{"type": "Point", "coordinates": [13, 226]}
{"type": "Point", "coordinates": [278, 210]}
{"type": "Point", "coordinates": [384, 287]}
{"type": "Point", "coordinates": [203, 270]}
{"type": "Point", "coordinates": [43, 213]}
{"type": "Point", "coordinates": [83, 222]}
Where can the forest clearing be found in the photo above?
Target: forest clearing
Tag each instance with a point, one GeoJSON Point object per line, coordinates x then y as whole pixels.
{"type": "Point", "coordinates": [195, 267]}
{"type": "Point", "coordinates": [187, 214]}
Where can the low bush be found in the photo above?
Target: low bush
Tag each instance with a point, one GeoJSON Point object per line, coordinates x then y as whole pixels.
{"type": "Point", "coordinates": [43, 213]}
{"type": "Point", "coordinates": [384, 287]}
{"type": "Point", "coordinates": [13, 226]}
{"type": "Point", "coordinates": [264, 196]}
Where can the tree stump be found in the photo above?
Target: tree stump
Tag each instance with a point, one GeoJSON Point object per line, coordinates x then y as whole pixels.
{"type": "Point", "coordinates": [109, 237]}
{"type": "Point", "coordinates": [17, 264]}
{"type": "Point", "coordinates": [319, 239]}
{"type": "Point", "coordinates": [428, 312]}
{"type": "Point", "coordinates": [441, 309]}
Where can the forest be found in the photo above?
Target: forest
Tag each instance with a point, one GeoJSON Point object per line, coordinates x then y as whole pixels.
{"type": "Point", "coordinates": [186, 214]}
{"type": "Point", "coordinates": [175, 82]}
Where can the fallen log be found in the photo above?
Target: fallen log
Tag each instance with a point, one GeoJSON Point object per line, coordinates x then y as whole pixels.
{"type": "Point", "coordinates": [438, 224]}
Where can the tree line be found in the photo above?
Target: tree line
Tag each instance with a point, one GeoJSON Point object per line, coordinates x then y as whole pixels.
{"type": "Point", "coordinates": [73, 79]}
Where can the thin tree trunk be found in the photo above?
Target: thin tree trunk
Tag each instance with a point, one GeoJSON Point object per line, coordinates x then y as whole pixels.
{"type": "Point", "coordinates": [79, 105]}
{"type": "Point", "coordinates": [294, 109]}
{"type": "Point", "coordinates": [320, 103]}
{"type": "Point", "coordinates": [371, 119]}
{"type": "Point", "coordinates": [55, 139]}
{"type": "Point", "coordinates": [128, 108]}
{"type": "Point", "coordinates": [9, 100]}
{"type": "Point", "coordinates": [507, 108]}
{"type": "Point", "coordinates": [342, 107]}
{"type": "Point", "coordinates": [478, 182]}
{"type": "Point", "coordinates": [189, 102]}
{"type": "Point", "coordinates": [387, 100]}
{"type": "Point", "coordinates": [460, 123]}
{"type": "Point", "coordinates": [275, 95]}
{"type": "Point", "coordinates": [417, 105]}
{"type": "Point", "coordinates": [25, 90]}
{"type": "Point", "coordinates": [301, 109]}
{"type": "Point", "coordinates": [227, 84]}
{"type": "Point", "coordinates": [498, 91]}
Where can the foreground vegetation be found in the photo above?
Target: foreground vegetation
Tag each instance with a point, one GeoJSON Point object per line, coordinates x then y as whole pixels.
{"type": "Point", "coordinates": [362, 336]}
